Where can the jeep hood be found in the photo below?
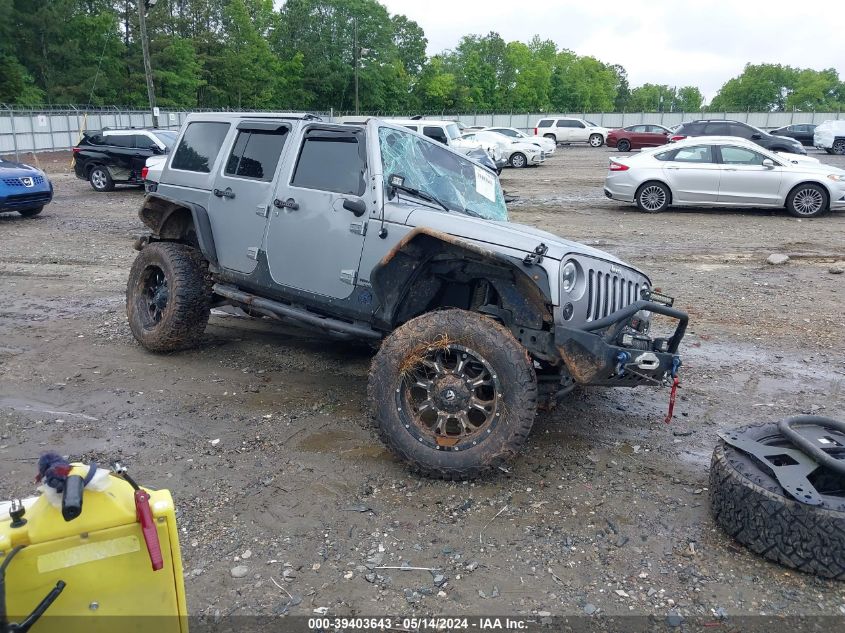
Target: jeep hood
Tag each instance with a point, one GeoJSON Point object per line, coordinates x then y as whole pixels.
{"type": "Point", "coordinates": [503, 234]}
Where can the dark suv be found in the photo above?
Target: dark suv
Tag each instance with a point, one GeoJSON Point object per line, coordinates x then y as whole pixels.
{"type": "Point", "coordinates": [108, 157]}
{"type": "Point", "coordinates": [708, 127]}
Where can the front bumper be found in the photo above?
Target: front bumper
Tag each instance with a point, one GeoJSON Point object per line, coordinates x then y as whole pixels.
{"type": "Point", "coordinates": [594, 356]}
{"type": "Point", "coordinates": [28, 200]}
{"type": "Point", "coordinates": [537, 159]}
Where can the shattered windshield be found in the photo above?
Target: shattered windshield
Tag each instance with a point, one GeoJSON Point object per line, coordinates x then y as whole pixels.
{"type": "Point", "coordinates": [457, 182]}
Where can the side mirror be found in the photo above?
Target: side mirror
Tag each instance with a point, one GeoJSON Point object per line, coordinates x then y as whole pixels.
{"type": "Point", "coordinates": [768, 163]}
{"type": "Point", "coordinates": [357, 207]}
{"type": "Point", "coordinates": [756, 136]}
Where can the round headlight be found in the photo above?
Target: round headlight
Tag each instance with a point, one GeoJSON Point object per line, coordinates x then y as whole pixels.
{"type": "Point", "coordinates": [568, 276]}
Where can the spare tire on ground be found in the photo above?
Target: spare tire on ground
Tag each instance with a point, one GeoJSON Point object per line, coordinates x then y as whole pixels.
{"type": "Point", "coordinates": [748, 501]}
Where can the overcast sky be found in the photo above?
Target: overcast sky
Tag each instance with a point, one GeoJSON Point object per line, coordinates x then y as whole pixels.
{"type": "Point", "coordinates": [702, 43]}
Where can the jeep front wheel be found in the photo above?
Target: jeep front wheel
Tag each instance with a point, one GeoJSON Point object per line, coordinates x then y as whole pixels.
{"type": "Point", "coordinates": [453, 393]}
{"type": "Point", "coordinates": [168, 296]}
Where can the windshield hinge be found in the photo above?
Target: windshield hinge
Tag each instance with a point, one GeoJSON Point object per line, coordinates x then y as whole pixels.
{"type": "Point", "coordinates": [537, 256]}
{"type": "Point", "coordinates": [263, 210]}
{"type": "Point", "coordinates": [359, 228]}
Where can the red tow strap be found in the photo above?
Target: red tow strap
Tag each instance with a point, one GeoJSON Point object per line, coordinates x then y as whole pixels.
{"type": "Point", "coordinates": [674, 391]}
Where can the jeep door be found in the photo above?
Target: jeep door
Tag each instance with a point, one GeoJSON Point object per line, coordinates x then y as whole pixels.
{"type": "Point", "coordinates": [242, 191]}
{"type": "Point", "coordinates": [314, 241]}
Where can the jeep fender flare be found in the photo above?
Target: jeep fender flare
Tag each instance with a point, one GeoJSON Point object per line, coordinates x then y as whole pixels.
{"type": "Point", "coordinates": [404, 280]}
{"type": "Point", "coordinates": [178, 220]}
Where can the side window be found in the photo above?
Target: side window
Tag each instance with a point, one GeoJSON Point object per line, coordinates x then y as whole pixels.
{"type": "Point", "coordinates": [639, 128]}
{"type": "Point", "coordinates": [143, 142]}
{"type": "Point", "coordinates": [578, 124]}
{"type": "Point", "coordinates": [331, 162]}
{"type": "Point", "coordinates": [119, 140]}
{"type": "Point", "coordinates": [564, 123]}
{"type": "Point", "coordinates": [741, 131]}
{"type": "Point", "coordinates": [545, 123]}
{"type": "Point", "coordinates": [435, 133]}
{"type": "Point", "coordinates": [740, 156]}
{"type": "Point", "coordinates": [412, 127]}
{"type": "Point", "coordinates": [199, 146]}
{"type": "Point", "coordinates": [255, 154]}
{"type": "Point", "coordinates": [96, 139]}
{"type": "Point", "coordinates": [717, 129]}
{"type": "Point", "coordinates": [694, 154]}
{"type": "Point", "coordinates": [666, 155]}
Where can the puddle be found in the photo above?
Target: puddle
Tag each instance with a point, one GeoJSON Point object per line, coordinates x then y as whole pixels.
{"type": "Point", "coordinates": [32, 406]}
{"type": "Point", "coordinates": [345, 444]}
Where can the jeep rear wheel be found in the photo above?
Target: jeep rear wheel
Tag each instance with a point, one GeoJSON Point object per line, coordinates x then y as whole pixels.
{"type": "Point", "coordinates": [453, 393]}
{"type": "Point", "coordinates": [168, 296]}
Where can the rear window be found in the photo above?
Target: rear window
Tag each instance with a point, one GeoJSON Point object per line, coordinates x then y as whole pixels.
{"type": "Point", "coordinates": [143, 142]}
{"type": "Point", "coordinates": [331, 162]}
{"type": "Point", "coordinates": [255, 154]}
{"type": "Point", "coordinates": [199, 146]}
{"type": "Point", "coordinates": [545, 123]}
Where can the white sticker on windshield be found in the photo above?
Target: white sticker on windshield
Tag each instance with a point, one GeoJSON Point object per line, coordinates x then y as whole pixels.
{"type": "Point", "coordinates": [485, 183]}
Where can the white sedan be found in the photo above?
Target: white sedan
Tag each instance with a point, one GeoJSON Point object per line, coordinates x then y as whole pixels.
{"type": "Point", "coordinates": [517, 152]}
{"type": "Point", "coordinates": [710, 171]}
{"type": "Point", "coordinates": [546, 144]}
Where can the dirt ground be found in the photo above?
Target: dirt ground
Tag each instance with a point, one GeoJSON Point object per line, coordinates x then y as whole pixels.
{"type": "Point", "coordinates": [605, 511]}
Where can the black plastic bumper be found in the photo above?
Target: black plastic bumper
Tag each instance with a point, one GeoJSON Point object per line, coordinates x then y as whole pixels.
{"type": "Point", "coordinates": [594, 357]}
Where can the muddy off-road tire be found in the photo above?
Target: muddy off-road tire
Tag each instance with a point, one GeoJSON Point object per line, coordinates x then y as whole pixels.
{"type": "Point", "coordinates": [168, 297]}
{"type": "Point", "coordinates": [453, 394]}
{"type": "Point", "coordinates": [749, 504]}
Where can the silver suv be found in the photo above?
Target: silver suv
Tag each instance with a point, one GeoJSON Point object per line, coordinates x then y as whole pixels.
{"type": "Point", "coordinates": [376, 233]}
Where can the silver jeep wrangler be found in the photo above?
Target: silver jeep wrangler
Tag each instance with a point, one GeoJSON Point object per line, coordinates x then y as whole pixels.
{"type": "Point", "coordinates": [376, 233]}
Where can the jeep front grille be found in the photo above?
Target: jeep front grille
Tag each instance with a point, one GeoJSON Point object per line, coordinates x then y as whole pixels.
{"type": "Point", "coordinates": [608, 292]}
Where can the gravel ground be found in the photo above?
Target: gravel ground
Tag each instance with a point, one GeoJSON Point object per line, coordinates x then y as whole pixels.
{"type": "Point", "coordinates": [263, 438]}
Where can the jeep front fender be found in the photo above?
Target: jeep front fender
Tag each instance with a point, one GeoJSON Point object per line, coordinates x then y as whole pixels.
{"type": "Point", "coordinates": [402, 273]}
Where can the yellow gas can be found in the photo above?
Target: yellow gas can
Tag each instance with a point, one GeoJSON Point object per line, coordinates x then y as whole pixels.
{"type": "Point", "coordinates": [101, 560]}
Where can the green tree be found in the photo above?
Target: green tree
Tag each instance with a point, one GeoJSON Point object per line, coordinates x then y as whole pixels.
{"type": "Point", "coordinates": [689, 99]}
{"type": "Point", "coordinates": [760, 87]}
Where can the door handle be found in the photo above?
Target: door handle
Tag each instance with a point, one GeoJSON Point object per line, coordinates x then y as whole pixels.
{"type": "Point", "coordinates": [290, 203]}
{"type": "Point", "coordinates": [225, 193]}
{"type": "Point", "coordinates": [730, 168]}
{"type": "Point", "coordinates": [673, 167]}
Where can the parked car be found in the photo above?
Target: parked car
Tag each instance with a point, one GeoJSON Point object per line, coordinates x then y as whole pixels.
{"type": "Point", "coordinates": [638, 136]}
{"type": "Point", "coordinates": [517, 153]}
{"type": "Point", "coordinates": [569, 130]}
{"type": "Point", "coordinates": [741, 130]}
{"type": "Point", "coordinates": [448, 133]}
{"type": "Point", "coordinates": [801, 132]}
{"type": "Point", "coordinates": [23, 188]}
{"type": "Point", "coordinates": [724, 172]}
{"type": "Point", "coordinates": [830, 136]}
{"type": "Point", "coordinates": [109, 157]}
{"type": "Point", "coordinates": [151, 172]}
{"type": "Point", "coordinates": [546, 144]}
{"type": "Point", "coordinates": [379, 234]}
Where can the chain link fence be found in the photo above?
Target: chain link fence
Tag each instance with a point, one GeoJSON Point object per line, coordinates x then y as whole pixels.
{"type": "Point", "coordinates": [52, 128]}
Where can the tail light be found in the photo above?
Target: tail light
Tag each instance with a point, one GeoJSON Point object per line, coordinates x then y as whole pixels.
{"type": "Point", "coordinates": [676, 137]}
{"type": "Point", "coordinates": [76, 150]}
{"type": "Point", "coordinates": [536, 131]}
{"type": "Point", "coordinates": [614, 166]}
{"type": "Point", "coordinates": [144, 171]}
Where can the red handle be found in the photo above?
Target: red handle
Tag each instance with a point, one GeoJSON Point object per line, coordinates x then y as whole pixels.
{"type": "Point", "coordinates": [145, 518]}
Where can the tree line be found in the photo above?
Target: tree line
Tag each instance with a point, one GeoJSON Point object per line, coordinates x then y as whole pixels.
{"type": "Point", "coordinates": [247, 54]}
